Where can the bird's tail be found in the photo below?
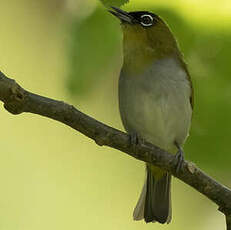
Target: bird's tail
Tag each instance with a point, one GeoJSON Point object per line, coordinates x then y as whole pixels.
{"type": "Point", "coordinates": [154, 203]}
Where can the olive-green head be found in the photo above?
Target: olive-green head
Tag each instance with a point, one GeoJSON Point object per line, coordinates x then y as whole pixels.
{"type": "Point", "coordinates": [146, 38]}
{"type": "Point", "coordinates": [146, 31]}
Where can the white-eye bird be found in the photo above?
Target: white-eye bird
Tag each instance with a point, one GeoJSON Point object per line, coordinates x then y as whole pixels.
{"type": "Point", "coordinates": [155, 100]}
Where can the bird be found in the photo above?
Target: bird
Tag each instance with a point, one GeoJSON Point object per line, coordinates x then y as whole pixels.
{"type": "Point", "coordinates": [155, 102]}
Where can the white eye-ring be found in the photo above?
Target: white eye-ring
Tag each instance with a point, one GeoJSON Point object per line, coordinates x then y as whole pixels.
{"type": "Point", "coordinates": [146, 20]}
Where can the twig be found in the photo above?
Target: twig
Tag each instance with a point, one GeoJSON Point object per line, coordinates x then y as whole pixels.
{"type": "Point", "coordinates": [17, 100]}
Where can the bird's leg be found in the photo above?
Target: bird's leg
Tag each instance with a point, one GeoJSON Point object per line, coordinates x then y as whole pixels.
{"type": "Point", "coordinates": [179, 157]}
{"type": "Point", "coordinates": [135, 139]}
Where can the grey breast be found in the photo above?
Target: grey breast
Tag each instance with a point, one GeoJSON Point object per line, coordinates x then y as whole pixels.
{"type": "Point", "coordinates": [155, 104]}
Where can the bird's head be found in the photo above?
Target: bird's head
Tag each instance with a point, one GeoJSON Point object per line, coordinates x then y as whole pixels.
{"type": "Point", "coordinates": [145, 31]}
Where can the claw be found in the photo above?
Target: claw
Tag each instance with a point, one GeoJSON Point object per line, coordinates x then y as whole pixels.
{"type": "Point", "coordinates": [179, 158]}
{"type": "Point", "coordinates": [135, 140]}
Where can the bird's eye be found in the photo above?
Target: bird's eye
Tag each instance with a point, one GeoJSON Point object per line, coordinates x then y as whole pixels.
{"type": "Point", "coordinates": [146, 20]}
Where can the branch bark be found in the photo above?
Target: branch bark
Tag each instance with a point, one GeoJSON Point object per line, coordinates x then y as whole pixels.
{"type": "Point", "coordinates": [18, 100]}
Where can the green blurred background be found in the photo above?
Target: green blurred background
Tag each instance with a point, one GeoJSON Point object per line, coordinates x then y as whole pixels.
{"type": "Point", "coordinates": [53, 177]}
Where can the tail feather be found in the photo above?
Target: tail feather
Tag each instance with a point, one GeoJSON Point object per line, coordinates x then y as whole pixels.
{"type": "Point", "coordinates": [138, 213]}
{"type": "Point", "coordinates": [155, 202]}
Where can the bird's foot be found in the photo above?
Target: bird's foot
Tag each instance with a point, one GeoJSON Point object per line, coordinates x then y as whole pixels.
{"type": "Point", "coordinates": [179, 158]}
{"type": "Point", "coordinates": [135, 140]}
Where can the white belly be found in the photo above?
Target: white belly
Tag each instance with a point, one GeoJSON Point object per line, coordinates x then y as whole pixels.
{"type": "Point", "coordinates": [156, 105]}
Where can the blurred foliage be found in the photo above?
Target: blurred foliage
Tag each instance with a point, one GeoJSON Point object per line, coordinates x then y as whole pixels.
{"type": "Point", "coordinates": [206, 50]}
{"type": "Point", "coordinates": [93, 48]}
{"type": "Point", "coordinates": [117, 3]}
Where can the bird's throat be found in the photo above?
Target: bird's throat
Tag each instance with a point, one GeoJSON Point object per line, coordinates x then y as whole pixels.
{"type": "Point", "coordinates": [137, 58]}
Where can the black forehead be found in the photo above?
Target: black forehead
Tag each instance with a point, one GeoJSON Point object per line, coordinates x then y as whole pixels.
{"type": "Point", "coordinates": [138, 14]}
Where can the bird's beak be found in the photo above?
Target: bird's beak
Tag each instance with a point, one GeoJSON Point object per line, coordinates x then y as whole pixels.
{"type": "Point", "coordinates": [121, 14]}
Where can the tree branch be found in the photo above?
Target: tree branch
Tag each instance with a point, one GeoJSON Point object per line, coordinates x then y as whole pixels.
{"type": "Point", "coordinates": [17, 100]}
